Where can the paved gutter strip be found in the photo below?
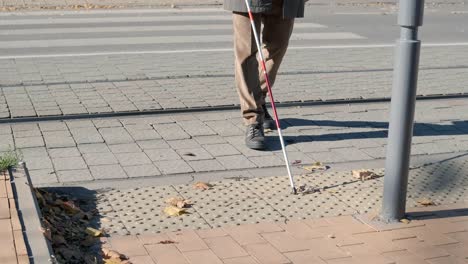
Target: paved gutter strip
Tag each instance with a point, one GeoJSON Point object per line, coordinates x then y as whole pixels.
{"type": "Point", "coordinates": [199, 76]}
{"type": "Point", "coordinates": [221, 108]}
{"type": "Point", "coordinates": [39, 248]}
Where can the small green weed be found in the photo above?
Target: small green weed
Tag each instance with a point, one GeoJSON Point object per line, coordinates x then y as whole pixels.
{"type": "Point", "coordinates": [9, 159]}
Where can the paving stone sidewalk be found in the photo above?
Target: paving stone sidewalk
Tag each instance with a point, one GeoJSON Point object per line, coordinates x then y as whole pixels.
{"type": "Point", "coordinates": [74, 151]}
{"type": "Point", "coordinates": [258, 221]}
{"type": "Point", "coordinates": [132, 83]}
{"type": "Point", "coordinates": [439, 236]}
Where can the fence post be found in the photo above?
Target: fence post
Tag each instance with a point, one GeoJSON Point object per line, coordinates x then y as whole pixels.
{"type": "Point", "coordinates": [405, 78]}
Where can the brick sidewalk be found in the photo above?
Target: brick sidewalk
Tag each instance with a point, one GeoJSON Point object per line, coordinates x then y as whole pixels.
{"type": "Point", "coordinates": [439, 235]}
{"type": "Point", "coordinates": [13, 249]}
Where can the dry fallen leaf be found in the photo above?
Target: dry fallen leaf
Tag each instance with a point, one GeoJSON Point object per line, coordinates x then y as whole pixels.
{"type": "Point", "coordinates": [296, 162]}
{"type": "Point", "coordinates": [93, 232]}
{"type": "Point", "coordinates": [425, 202]}
{"type": "Point", "coordinates": [318, 166]}
{"type": "Point", "coordinates": [178, 202]}
{"type": "Point", "coordinates": [202, 186]}
{"type": "Point", "coordinates": [405, 221]}
{"type": "Point", "coordinates": [364, 175]}
{"type": "Point", "coordinates": [47, 233]}
{"type": "Point", "coordinates": [267, 130]}
{"type": "Point", "coordinates": [174, 211]}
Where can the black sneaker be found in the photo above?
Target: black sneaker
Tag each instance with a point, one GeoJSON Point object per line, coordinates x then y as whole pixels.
{"type": "Point", "coordinates": [268, 121]}
{"type": "Point", "coordinates": [254, 137]}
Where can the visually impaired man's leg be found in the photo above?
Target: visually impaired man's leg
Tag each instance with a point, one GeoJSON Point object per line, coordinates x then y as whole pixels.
{"type": "Point", "coordinates": [276, 34]}
{"type": "Point", "coordinates": [247, 81]}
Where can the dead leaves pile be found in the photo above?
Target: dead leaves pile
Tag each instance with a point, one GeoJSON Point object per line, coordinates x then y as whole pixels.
{"type": "Point", "coordinates": [67, 227]}
{"type": "Point", "coordinates": [364, 175]}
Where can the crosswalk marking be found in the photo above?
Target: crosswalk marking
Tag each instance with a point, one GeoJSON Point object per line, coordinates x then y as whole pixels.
{"type": "Point", "coordinates": [87, 20]}
{"type": "Point", "coordinates": [126, 29]}
{"type": "Point", "coordinates": [50, 43]}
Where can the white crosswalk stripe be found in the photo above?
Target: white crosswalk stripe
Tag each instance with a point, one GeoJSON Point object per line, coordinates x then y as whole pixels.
{"type": "Point", "coordinates": [132, 30]}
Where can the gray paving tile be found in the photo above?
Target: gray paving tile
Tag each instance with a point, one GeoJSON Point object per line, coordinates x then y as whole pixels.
{"type": "Point", "coordinates": [162, 154]}
{"type": "Point", "coordinates": [267, 161]}
{"type": "Point", "coordinates": [38, 163]}
{"type": "Point", "coordinates": [183, 144]}
{"type": "Point", "coordinates": [33, 152]}
{"type": "Point", "coordinates": [116, 135]}
{"type": "Point", "coordinates": [29, 142]}
{"type": "Point", "coordinates": [108, 172]}
{"type": "Point", "coordinates": [171, 131]}
{"type": "Point", "coordinates": [173, 166]}
{"type": "Point", "coordinates": [143, 134]}
{"type": "Point", "coordinates": [206, 165]}
{"type": "Point", "coordinates": [93, 148]}
{"type": "Point", "coordinates": [64, 152]}
{"type": "Point", "coordinates": [153, 144]}
{"type": "Point", "coordinates": [204, 140]}
{"type": "Point", "coordinates": [69, 163]}
{"type": "Point", "coordinates": [221, 149]}
{"type": "Point", "coordinates": [235, 162]}
{"type": "Point", "coordinates": [125, 148]}
{"type": "Point", "coordinates": [145, 170]}
{"type": "Point", "coordinates": [74, 176]}
{"type": "Point", "coordinates": [105, 123]}
{"type": "Point", "coordinates": [131, 159]}
{"type": "Point", "coordinates": [43, 177]}
{"type": "Point", "coordinates": [100, 159]}
{"type": "Point", "coordinates": [53, 126]}
{"type": "Point", "coordinates": [86, 135]}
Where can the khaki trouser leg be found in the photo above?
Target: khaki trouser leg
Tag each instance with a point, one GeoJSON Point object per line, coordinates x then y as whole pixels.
{"type": "Point", "coordinates": [275, 39]}
{"type": "Point", "coordinates": [246, 68]}
{"type": "Point", "coordinates": [250, 81]}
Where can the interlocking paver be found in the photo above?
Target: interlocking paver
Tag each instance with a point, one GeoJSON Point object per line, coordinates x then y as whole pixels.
{"type": "Point", "coordinates": [183, 144]}
{"type": "Point", "coordinates": [202, 256]}
{"type": "Point", "coordinates": [125, 148]}
{"type": "Point", "coordinates": [131, 159]}
{"type": "Point", "coordinates": [74, 175]}
{"type": "Point", "coordinates": [265, 253]}
{"type": "Point", "coordinates": [166, 254]}
{"type": "Point", "coordinates": [173, 166]}
{"type": "Point", "coordinates": [116, 135]}
{"type": "Point", "coordinates": [235, 162]}
{"type": "Point", "coordinates": [206, 165]}
{"type": "Point", "coordinates": [100, 159]}
{"type": "Point", "coordinates": [86, 135]}
{"type": "Point", "coordinates": [142, 170]}
{"type": "Point", "coordinates": [69, 163]}
{"type": "Point", "coordinates": [225, 247]}
{"type": "Point", "coordinates": [162, 154]}
{"type": "Point", "coordinates": [64, 152]}
{"type": "Point", "coordinates": [153, 144]}
{"type": "Point", "coordinates": [221, 149]}
{"type": "Point", "coordinates": [108, 172]}
{"type": "Point", "coordinates": [93, 148]}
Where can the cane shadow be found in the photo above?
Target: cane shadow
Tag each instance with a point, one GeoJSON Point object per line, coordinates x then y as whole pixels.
{"type": "Point", "coordinates": [419, 130]}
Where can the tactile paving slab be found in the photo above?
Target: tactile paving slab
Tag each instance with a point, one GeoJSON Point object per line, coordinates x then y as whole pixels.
{"type": "Point", "coordinates": [269, 199]}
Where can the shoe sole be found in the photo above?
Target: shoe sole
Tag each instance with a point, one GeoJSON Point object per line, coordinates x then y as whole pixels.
{"type": "Point", "coordinates": [256, 146]}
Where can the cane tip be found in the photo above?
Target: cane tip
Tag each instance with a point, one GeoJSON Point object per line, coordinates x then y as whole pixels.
{"type": "Point", "coordinates": [294, 191]}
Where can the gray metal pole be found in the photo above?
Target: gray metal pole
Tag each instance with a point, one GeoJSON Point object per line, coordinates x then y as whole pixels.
{"type": "Point", "coordinates": [405, 78]}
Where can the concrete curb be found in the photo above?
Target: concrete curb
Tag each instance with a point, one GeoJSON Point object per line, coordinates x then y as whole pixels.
{"type": "Point", "coordinates": [39, 249]}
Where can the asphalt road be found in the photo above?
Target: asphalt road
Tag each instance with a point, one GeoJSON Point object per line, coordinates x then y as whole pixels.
{"type": "Point", "coordinates": [57, 33]}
